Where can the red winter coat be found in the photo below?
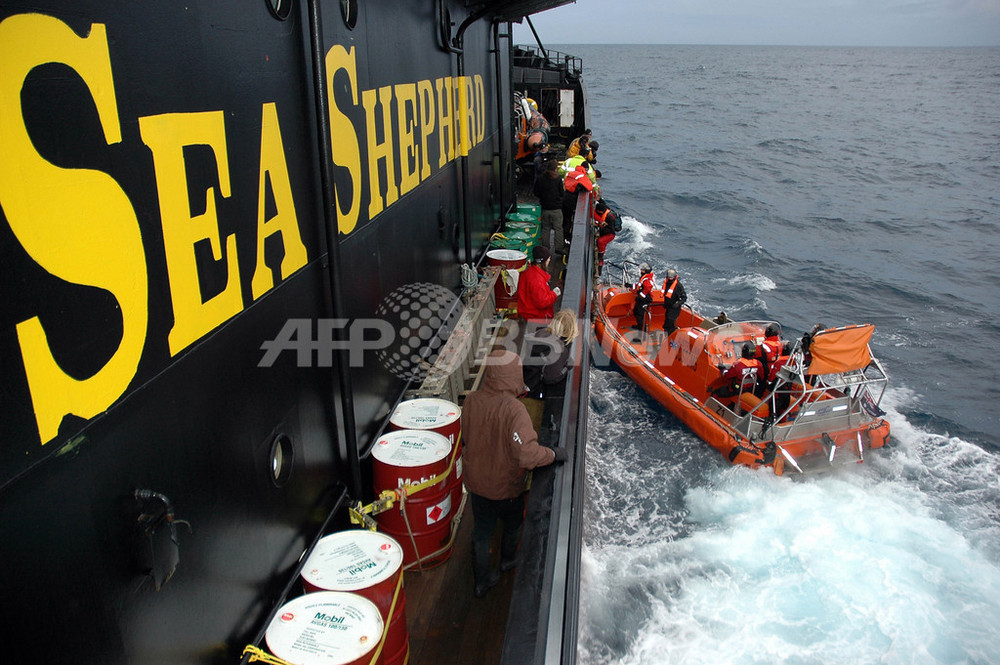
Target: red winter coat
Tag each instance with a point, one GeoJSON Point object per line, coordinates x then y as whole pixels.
{"type": "Point", "coordinates": [534, 297]}
{"type": "Point", "coordinates": [500, 442]}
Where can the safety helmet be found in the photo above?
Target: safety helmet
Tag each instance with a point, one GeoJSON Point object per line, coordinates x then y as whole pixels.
{"type": "Point", "coordinates": [644, 268]}
{"type": "Point", "coordinates": [671, 273]}
{"type": "Point", "coordinates": [749, 350]}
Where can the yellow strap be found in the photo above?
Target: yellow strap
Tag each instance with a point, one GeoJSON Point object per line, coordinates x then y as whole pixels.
{"type": "Point", "coordinates": [388, 498]}
{"type": "Point", "coordinates": [258, 654]}
{"type": "Point", "coordinates": [388, 619]}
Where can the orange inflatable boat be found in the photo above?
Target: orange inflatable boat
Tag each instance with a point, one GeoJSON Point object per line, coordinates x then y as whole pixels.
{"type": "Point", "coordinates": [812, 409]}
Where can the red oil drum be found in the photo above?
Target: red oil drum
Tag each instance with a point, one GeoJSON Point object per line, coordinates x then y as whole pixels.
{"type": "Point", "coordinates": [511, 260]}
{"type": "Point", "coordinates": [437, 415]}
{"type": "Point", "coordinates": [429, 413]}
{"type": "Point", "coordinates": [408, 457]}
{"type": "Point", "coordinates": [401, 658]}
{"type": "Point", "coordinates": [431, 546]}
{"type": "Point", "coordinates": [421, 523]}
{"type": "Point", "coordinates": [367, 563]}
{"type": "Point", "coordinates": [326, 628]}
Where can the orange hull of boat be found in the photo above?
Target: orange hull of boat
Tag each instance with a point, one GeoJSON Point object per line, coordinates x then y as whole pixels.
{"type": "Point", "coordinates": [684, 392]}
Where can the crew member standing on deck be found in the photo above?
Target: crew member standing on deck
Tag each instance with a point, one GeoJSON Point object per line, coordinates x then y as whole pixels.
{"type": "Point", "coordinates": [579, 145]}
{"type": "Point", "coordinates": [534, 297]}
{"type": "Point", "coordinates": [576, 181]}
{"type": "Point", "coordinates": [500, 445]}
{"type": "Point", "coordinates": [673, 298]}
{"type": "Point", "coordinates": [643, 295]}
{"type": "Point", "coordinates": [549, 190]}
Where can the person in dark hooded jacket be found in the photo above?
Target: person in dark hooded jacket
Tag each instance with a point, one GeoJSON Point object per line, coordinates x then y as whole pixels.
{"type": "Point", "coordinates": [500, 445]}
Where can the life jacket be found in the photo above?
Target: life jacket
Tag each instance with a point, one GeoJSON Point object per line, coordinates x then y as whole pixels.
{"type": "Point", "coordinates": [669, 293]}
{"type": "Point", "coordinates": [744, 373]}
{"type": "Point", "coordinates": [774, 367]}
{"type": "Point", "coordinates": [603, 227]}
{"type": "Point", "coordinates": [576, 177]}
{"type": "Point", "coordinates": [770, 347]}
{"type": "Point", "coordinates": [645, 285]}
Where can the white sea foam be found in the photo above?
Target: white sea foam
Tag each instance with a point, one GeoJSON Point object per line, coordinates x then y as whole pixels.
{"type": "Point", "coordinates": [894, 561]}
{"type": "Point", "coordinates": [633, 236]}
{"type": "Point", "coordinates": [754, 280]}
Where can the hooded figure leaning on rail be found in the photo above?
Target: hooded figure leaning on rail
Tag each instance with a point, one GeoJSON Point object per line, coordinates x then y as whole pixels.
{"type": "Point", "coordinates": [500, 445]}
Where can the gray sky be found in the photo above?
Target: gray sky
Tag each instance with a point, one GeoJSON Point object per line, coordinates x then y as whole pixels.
{"type": "Point", "coordinates": [778, 22]}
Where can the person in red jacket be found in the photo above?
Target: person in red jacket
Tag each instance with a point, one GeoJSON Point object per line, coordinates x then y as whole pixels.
{"type": "Point", "coordinates": [770, 348]}
{"type": "Point", "coordinates": [743, 376]}
{"type": "Point", "coordinates": [534, 297]}
{"type": "Point", "coordinates": [500, 446]}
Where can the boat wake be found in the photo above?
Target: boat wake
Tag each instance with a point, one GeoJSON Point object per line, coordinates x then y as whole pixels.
{"type": "Point", "coordinates": [691, 560]}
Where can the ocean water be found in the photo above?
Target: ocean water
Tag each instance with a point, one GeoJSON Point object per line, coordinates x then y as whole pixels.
{"type": "Point", "coordinates": [805, 185]}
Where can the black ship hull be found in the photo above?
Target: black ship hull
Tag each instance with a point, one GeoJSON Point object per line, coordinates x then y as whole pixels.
{"type": "Point", "coordinates": [197, 202]}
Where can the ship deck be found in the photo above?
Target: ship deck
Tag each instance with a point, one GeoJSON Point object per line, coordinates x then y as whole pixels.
{"type": "Point", "coordinates": [447, 624]}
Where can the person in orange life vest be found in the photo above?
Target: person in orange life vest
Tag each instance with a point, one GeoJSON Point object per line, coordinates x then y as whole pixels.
{"type": "Point", "coordinates": [743, 376]}
{"type": "Point", "coordinates": [607, 223]}
{"type": "Point", "coordinates": [674, 297]}
{"type": "Point", "coordinates": [572, 183]}
{"type": "Point", "coordinates": [770, 347]}
{"type": "Point", "coordinates": [534, 297]}
{"type": "Point", "coordinates": [643, 295]}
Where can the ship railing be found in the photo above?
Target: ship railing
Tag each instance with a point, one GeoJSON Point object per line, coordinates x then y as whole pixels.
{"type": "Point", "coordinates": [823, 402]}
{"type": "Point", "coordinates": [532, 57]}
{"type": "Point", "coordinates": [459, 366]}
{"type": "Point", "coordinates": [624, 273]}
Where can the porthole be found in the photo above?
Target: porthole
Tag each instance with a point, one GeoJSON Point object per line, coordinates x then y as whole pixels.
{"type": "Point", "coordinates": [349, 10]}
{"type": "Point", "coordinates": [282, 456]}
{"type": "Point", "coordinates": [280, 9]}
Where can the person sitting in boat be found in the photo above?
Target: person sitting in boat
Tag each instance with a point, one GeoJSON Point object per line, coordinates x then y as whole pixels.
{"type": "Point", "coordinates": [643, 295]}
{"type": "Point", "coordinates": [607, 224]}
{"type": "Point", "coordinates": [743, 376]}
{"type": "Point", "coordinates": [674, 298]}
{"type": "Point", "coordinates": [500, 445]}
{"type": "Point", "coordinates": [534, 297]}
